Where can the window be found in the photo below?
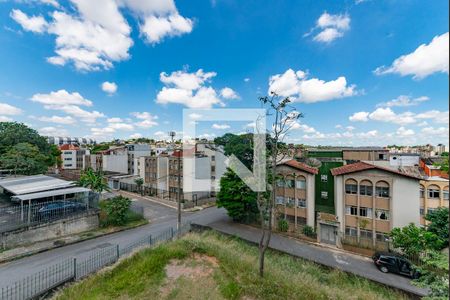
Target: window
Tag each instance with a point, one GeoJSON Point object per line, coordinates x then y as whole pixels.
{"type": "Point", "coordinates": [280, 183]}
{"type": "Point", "coordinates": [351, 231]}
{"type": "Point", "coordinates": [365, 190]}
{"type": "Point", "coordinates": [445, 194]}
{"type": "Point", "coordinates": [430, 210]}
{"type": "Point", "coordinates": [290, 201]}
{"type": "Point", "coordinates": [365, 212]}
{"type": "Point", "coordinates": [290, 183]}
{"type": "Point", "coordinates": [213, 158]}
{"type": "Point", "coordinates": [301, 202]}
{"type": "Point", "coordinates": [351, 210]}
{"type": "Point", "coordinates": [300, 184]}
{"type": "Point", "coordinates": [382, 214]}
{"type": "Point", "coordinates": [382, 237]}
{"type": "Point", "coordinates": [365, 233]}
{"type": "Point", "coordinates": [422, 192]}
{"type": "Point", "coordinates": [351, 189]}
{"type": "Point", "coordinates": [67, 158]}
{"type": "Point", "coordinates": [421, 211]}
{"type": "Point", "coordinates": [433, 193]}
{"type": "Point", "coordinates": [324, 195]}
{"type": "Point", "coordinates": [279, 200]}
{"type": "Point", "coordinates": [213, 168]}
{"type": "Point", "coordinates": [382, 191]}
{"type": "Point", "coordinates": [324, 178]}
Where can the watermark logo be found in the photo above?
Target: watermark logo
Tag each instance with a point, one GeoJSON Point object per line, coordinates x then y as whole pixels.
{"type": "Point", "coordinates": [197, 168]}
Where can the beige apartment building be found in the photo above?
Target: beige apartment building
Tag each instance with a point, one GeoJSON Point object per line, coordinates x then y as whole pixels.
{"type": "Point", "coordinates": [295, 192]}
{"type": "Point", "coordinates": [433, 194]}
{"type": "Point", "coordinates": [371, 200]}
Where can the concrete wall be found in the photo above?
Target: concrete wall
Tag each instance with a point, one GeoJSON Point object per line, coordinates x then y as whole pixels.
{"type": "Point", "coordinates": [115, 163]}
{"type": "Point", "coordinates": [49, 231]}
{"type": "Point", "coordinates": [403, 160]}
{"type": "Point", "coordinates": [310, 189]}
{"type": "Point", "coordinates": [406, 202]}
{"type": "Point", "coordinates": [339, 201]}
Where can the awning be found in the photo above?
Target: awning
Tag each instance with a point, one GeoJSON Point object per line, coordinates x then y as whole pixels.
{"type": "Point", "coordinates": [33, 184]}
{"type": "Point", "coordinates": [52, 193]}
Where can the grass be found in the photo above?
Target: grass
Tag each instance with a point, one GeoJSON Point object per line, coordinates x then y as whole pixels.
{"type": "Point", "coordinates": [235, 276]}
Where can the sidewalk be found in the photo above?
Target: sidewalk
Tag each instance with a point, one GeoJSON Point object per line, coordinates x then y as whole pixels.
{"type": "Point", "coordinates": [334, 258]}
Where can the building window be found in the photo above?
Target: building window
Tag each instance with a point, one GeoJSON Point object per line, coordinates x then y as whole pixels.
{"type": "Point", "coordinates": [290, 183]}
{"type": "Point", "coordinates": [324, 178]}
{"type": "Point", "coordinates": [300, 184]}
{"type": "Point", "coordinates": [365, 212]}
{"type": "Point", "coordinates": [279, 200]}
{"type": "Point", "coordinates": [213, 158]}
{"type": "Point", "coordinates": [351, 189]}
{"type": "Point", "coordinates": [421, 211]}
{"type": "Point", "coordinates": [351, 231]}
{"type": "Point", "coordinates": [430, 210]}
{"type": "Point", "coordinates": [382, 191]}
{"type": "Point", "coordinates": [324, 195]}
{"type": "Point", "coordinates": [433, 193]}
{"type": "Point", "coordinates": [422, 192]}
{"type": "Point", "coordinates": [351, 210]}
{"type": "Point", "coordinates": [290, 201]}
{"type": "Point", "coordinates": [381, 214]}
{"type": "Point", "coordinates": [280, 183]}
{"type": "Point", "coordinates": [365, 190]}
{"type": "Point", "coordinates": [381, 237]}
{"type": "Point", "coordinates": [445, 194]}
{"type": "Point", "coordinates": [367, 234]}
{"type": "Point", "coordinates": [301, 202]}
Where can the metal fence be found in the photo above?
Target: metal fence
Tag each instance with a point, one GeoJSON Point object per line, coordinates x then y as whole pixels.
{"type": "Point", "coordinates": [24, 215]}
{"type": "Point", "coordinates": [365, 243]}
{"type": "Point", "coordinates": [72, 269]}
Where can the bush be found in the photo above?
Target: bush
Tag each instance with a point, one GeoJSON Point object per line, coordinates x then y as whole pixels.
{"type": "Point", "coordinates": [308, 231]}
{"type": "Point", "coordinates": [115, 211]}
{"type": "Point", "coordinates": [283, 225]}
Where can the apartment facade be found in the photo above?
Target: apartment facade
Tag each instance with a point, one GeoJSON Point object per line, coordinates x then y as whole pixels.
{"type": "Point", "coordinates": [371, 200]}
{"type": "Point", "coordinates": [433, 194]}
{"type": "Point", "coordinates": [295, 191]}
{"type": "Point", "coordinates": [72, 157]}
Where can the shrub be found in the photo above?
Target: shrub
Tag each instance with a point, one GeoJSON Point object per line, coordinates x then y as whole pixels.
{"type": "Point", "coordinates": [115, 211]}
{"type": "Point", "coordinates": [308, 230]}
{"type": "Point", "coordinates": [283, 225]}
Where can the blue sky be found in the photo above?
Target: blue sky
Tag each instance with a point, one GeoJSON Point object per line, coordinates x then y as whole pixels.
{"type": "Point", "coordinates": [362, 72]}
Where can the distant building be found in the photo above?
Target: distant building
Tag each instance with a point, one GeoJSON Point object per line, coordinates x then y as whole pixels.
{"type": "Point", "coordinates": [72, 157]}
{"type": "Point", "coordinates": [440, 148]}
{"type": "Point", "coordinates": [70, 140]}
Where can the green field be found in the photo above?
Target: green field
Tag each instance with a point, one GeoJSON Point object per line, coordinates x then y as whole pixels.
{"type": "Point", "coordinates": [211, 266]}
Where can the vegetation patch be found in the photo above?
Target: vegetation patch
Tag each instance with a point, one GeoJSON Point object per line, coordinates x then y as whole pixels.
{"type": "Point", "coordinates": [212, 266]}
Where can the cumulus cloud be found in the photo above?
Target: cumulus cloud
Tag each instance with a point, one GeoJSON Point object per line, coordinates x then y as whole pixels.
{"type": "Point", "coordinates": [7, 109]}
{"type": "Point", "coordinates": [424, 61]}
{"type": "Point", "coordinates": [5, 119]}
{"type": "Point", "coordinates": [301, 89]}
{"type": "Point", "coordinates": [95, 34]}
{"type": "Point", "coordinates": [403, 100]}
{"type": "Point", "coordinates": [189, 89]}
{"type": "Point", "coordinates": [220, 126]}
{"type": "Point", "coordinates": [58, 120]}
{"type": "Point", "coordinates": [135, 135]}
{"type": "Point", "coordinates": [361, 116]}
{"type": "Point", "coordinates": [34, 23]}
{"type": "Point", "coordinates": [402, 131]}
{"type": "Point", "coordinates": [53, 131]}
{"type": "Point", "coordinates": [146, 119]}
{"type": "Point", "coordinates": [331, 27]}
{"type": "Point", "coordinates": [109, 87]}
{"type": "Point", "coordinates": [228, 93]}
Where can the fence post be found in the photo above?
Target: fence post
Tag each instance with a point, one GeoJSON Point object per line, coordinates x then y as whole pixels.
{"type": "Point", "coordinates": [150, 240]}
{"type": "Point", "coordinates": [74, 268]}
{"type": "Point", "coordinates": [117, 251]}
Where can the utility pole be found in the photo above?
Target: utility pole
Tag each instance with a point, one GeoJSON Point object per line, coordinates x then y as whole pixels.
{"type": "Point", "coordinates": [172, 135]}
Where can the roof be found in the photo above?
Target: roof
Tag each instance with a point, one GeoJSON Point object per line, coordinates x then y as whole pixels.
{"type": "Point", "coordinates": [299, 166]}
{"type": "Point", "coordinates": [33, 184]}
{"type": "Point", "coordinates": [45, 194]}
{"type": "Point", "coordinates": [362, 166]}
{"type": "Point", "coordinates": [68, 147]}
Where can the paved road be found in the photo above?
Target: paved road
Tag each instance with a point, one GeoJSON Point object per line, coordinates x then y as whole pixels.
{"type": "Point", "coordinates": [16, 270]}
{"type": "Point", "coordinates": [327, 256]}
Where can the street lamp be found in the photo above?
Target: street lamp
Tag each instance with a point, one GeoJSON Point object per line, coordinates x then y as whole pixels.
{"type": "Point", "coordinates": [172, 135]}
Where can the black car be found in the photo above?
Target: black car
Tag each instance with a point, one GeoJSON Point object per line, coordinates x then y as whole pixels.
{"type": "Point", "coordinates": [389, 262]}
{"type": "Point", "coordinates": [58, 208]}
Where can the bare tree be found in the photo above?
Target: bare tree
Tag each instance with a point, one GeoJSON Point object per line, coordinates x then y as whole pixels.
{"type": "Point", "coordinates": [283, 118]}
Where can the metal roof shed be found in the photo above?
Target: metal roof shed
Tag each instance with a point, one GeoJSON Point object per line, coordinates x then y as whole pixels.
{"type": "Point", "coordinates": [53, 193]}
{"type": "Point", "coordinates": [33, 184]}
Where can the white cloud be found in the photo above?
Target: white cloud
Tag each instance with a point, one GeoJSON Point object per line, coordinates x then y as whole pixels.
{"type": "Point", "coordinates": [135, 136]}
{"type": "Point", "coordinates": [402, 131]}
{"type": "Point", "coordinates": [160, 133]}
{"type": "Point", "coordinates": [350, 128]}
{"type": "Point", "coordinates": [435, 115]}
{"type": "Point", "coordinates": [424, 61]}
{"type": "Point", "coordinates": [338, 126]}
{"type": "Point", "coordinates": [147, 120]}
{"type": "Point", "coordinates": [246, 79]}
{"type": "Point", "coordinates": [387, 115]}
{"type": "Point", "coordinates": [58, 120]}
{"type": "Point", "coordinates": [53, 131]}
{"type": "Point", "coordinates": [194, 116]}
{"type": "Point", "coordinates": [296, 85]}
{"type": "Point", "coordinates": [361, 116]}
{"type": "Point", "coordinates": [368, 134]}
{"type": "Point", "coordinates": [403, 100]}
{"type": "Point", "coordinates": [121, 126]}
{"type": "Point", "coordinates": [94, 34]}
{"type": "Point", "coordinates": [61, 97]}
{"type": "Point", "coordinates": [5, 119]}
{"type": "Point", "coordinates": [188, 89]}
{"type": "Point", "coordinates": [431, 131]}
{"type": "Point", "coordinates": [331, 27]}
{"type": "Point", "coordinates": [228, 93]}
{"type": "Point", "coordinates": [114, 120]}
{"type": "Point", "coordinates": [109, 87]}
{"type": "Point", "coordinates": [7, 109]}
{"type": "Point", "coordinates": [34, 24]}
{"type": "Point", "coordinates": [221, 126]}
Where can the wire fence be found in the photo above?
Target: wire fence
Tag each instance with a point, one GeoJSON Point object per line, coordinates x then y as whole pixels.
{"type": "Point", "coordinates": [72, 269]}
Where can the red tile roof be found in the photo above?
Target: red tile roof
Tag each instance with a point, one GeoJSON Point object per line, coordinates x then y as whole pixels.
{"type": "Point", "coordinates": [362, 166]}
{"type": "Point", "coordinates": [68, 147]}
{"type": "Point", "coordinates": [300, 166]}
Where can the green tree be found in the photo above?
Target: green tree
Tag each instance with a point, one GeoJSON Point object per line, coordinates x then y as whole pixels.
{"type": "Point", "coordinates": [237, 198]}
{"type": "Point", "coordinates": [413, 240]}
{"type": "Point", "coordinates": [139, 182]}
{"type": "Point", "coordinates": [93, 180]}
{"type": "Point", "coordinates": [24, 158]}
{"type": "Point", "coordinates": [439, 223]}
{"type": "Point", "coordinates": [443, 164]}
{"type": "Point", "coordinates": [116, 210]}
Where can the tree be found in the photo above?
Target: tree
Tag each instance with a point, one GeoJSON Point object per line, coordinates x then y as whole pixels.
{"type": "Point", "coordinates": [284, 117]}
{"type": "Point", "coordinates": [116, 210]}
{"type": "Point", "coordinates": [413, 240]}
{"type": "Point", "coordinates": [94, 180]}
{"type": "Point", "coordinates": [443, 165]}
{"type": "Point", "coordinates": [439, 223]}
{"type": "Point", "coordinates": [139, 182]}
{"type": "Point", "coordinates": [237, 198]}
{"type": "Point", "coordinates": [24, 158]}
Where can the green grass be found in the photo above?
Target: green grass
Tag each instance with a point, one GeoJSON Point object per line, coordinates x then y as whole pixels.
{"type": "Point", "coordinates": [143, 276]}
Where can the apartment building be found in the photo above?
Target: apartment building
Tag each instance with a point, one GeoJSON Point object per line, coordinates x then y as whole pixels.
{"type": "Point", "coordinates": [154, 170]}
{"type": "Point", "coordinates": [72, 157]}
{"type": "Point", "coordinates": [295, 190]}
{"type": "Point", "coordinates": [370, 200]}
{"type": "Point", "coordinates": [433, 194]}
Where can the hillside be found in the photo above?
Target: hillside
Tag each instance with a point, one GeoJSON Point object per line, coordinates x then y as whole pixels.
{"type": "Point", "coordinates": [211, 266]}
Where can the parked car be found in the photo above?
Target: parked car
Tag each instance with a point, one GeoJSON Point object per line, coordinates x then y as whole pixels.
{"type": "Point", "coordinates": [390, 262]}
{"type": "Point", "coordinates": [59, 208]}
